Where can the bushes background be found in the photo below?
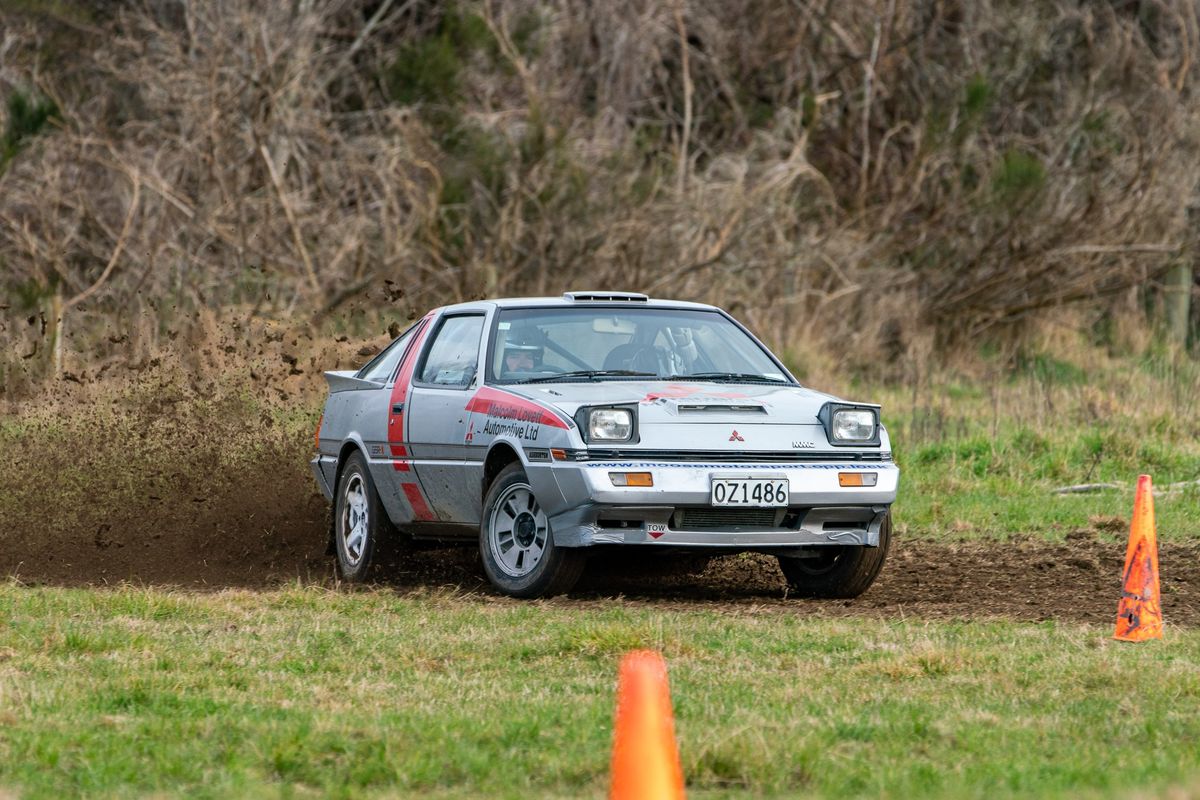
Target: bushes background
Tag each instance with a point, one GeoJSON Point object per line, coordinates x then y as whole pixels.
{"type": "Point", "coordinates": [889, 179]}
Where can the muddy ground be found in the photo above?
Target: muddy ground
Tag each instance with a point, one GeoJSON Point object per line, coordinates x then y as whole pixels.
{"type": "Point", "coordinates": [249, 542]}
{"type": "Point", "coordinates": [163, 482]}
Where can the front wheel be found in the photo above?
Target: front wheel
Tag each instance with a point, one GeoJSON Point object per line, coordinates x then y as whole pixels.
{"type": "Point", "coordinates": [516, 544]}
{"type": "Point", "coordinates": [837, 571]}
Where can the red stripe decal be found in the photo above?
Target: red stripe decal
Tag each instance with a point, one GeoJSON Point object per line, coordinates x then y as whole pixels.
{"type": "Point", "coordinates": [506, 405]}
{"type": "Point", "coordinates": [420, 507]}
{"type": "Point", "coordinates": [675, 391]}
{"type": "Point", "coordinates": [396, 439]}
{"type": "Point", "coordinates": [403, 379]}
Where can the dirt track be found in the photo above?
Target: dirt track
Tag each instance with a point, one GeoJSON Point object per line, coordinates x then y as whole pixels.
{"type": "Point", "coordinates": [79, 509]}
{"type": "Point", "coordinates": [238, 545]}
{"type": "Point", "coordinates": [166, 489]}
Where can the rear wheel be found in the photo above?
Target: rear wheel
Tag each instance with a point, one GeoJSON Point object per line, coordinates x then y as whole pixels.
{"type": "Point", "coordinates": [517, 545]}
{"type": "Point", "coordinates": [363, 535]}
{"type": "Point", "coordinates": [837, 571]}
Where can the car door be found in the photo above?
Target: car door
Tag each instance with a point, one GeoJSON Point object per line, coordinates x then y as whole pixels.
{"type": "Point", "coordinates": [437, 415]}
{"type": "Point", "coordinates": [390, 460]}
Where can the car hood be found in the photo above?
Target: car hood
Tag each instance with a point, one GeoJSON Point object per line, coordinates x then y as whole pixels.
{"type": "Point", "coordinates": [661, 402]}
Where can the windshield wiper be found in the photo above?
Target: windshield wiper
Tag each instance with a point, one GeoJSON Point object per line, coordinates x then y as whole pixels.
{"type": "Point", "coordinates": [590, 373]}
{"type": "Point", "coordinates": [727, 377]}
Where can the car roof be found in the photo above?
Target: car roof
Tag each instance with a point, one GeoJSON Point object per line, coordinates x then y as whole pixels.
{"type": "Point", "coordinates": [567, 302]}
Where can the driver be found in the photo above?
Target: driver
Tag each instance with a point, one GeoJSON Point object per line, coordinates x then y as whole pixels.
{"type": "Point", "coordinates": [523, 349]}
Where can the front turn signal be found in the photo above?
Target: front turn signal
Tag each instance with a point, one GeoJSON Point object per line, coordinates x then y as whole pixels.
{"type": "Point", "coordinates": [857, 478]}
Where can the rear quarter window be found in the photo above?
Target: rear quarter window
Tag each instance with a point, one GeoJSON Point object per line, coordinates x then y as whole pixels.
{"type": "Point", "coordinates": [381, 368]}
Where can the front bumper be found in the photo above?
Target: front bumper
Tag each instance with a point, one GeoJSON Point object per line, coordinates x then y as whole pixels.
{"type": "Point", "coordinates": [676, 511]}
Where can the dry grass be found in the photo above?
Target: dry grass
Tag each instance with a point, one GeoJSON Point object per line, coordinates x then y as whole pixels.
{"type": "Point", "coordinates": [882, 178]}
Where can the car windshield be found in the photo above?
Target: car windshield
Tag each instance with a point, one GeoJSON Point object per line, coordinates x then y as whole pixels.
{"type": "Point", "coordinates": [544, 345]}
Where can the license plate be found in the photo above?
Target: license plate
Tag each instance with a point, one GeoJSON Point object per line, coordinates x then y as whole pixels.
{"type": "Point", "coordinates": [760, 492]}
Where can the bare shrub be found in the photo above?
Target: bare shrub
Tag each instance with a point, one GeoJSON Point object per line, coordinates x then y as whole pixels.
{"type": "Point", "coordinates": [874, 179]}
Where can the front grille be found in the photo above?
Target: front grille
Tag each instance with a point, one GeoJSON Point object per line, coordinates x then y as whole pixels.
{"type": "Point", "coordinates": [725, 519]}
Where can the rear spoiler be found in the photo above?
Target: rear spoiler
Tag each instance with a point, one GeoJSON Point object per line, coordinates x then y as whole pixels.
{"type": "Point", "coordinates": [345, 381]}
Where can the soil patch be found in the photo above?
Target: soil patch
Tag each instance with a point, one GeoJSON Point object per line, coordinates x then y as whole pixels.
{"type": "Point", "coordinates": [233, 533]}
{"type": "Point", "coordinates": [241, 542]}
{"type": "Point", "coordinates": [195, 474]}
{"type": "Point", "coordinates": [166, 484]}
{"type": "Point", "coordinates": [1028, 579]}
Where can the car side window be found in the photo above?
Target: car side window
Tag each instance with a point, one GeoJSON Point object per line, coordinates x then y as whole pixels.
{"type": "Point", "coordinates": [454, 353]}
{"type": "Point", "coordinates": [381, 368]}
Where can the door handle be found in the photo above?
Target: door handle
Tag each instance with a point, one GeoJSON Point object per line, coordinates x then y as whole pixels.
{"type": "Point", "coordinates": [397, 408]}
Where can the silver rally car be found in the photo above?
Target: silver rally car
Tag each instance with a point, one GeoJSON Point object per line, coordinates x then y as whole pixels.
{"type": "Point", "coordinates": [542, 428]}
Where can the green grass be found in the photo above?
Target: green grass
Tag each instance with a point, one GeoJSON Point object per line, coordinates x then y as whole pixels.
{"type": "Point", "coordinates": [981, 459]}
{"type": "Point", "coordinates": [983, 487]}
{"type": "Point", "coordinates": [307, 691]}
{"type": "Point", "coordinates": [130, 692]}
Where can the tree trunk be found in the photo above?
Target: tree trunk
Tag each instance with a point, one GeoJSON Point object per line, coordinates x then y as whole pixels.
{"type": "Point", "coordinates": [56, 336]}
{"type": "Point", "coordinates": [1177, 296]}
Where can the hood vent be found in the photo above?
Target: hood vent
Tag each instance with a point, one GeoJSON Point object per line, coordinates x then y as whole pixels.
{"type": "Point", "coordinates": [722, 408]}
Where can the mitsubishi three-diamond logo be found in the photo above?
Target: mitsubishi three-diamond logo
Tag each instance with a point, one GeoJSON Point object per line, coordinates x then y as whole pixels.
{"type": "Point", "coordinates": [736, 437]}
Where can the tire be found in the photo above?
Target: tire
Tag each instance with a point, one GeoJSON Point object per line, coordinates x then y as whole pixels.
{"type": "Point", "coordinates": [516, 545]}
{"type": "Point", "coordinates": [838, 571]}
{"type": "Point", "coordinates": [363, 536]}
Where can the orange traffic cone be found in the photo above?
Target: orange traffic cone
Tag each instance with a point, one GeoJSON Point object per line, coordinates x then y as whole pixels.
{"type": "Point", "coordinates": [1139, 614]}
{"type": "Point", "coordinates": [645, 762]}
